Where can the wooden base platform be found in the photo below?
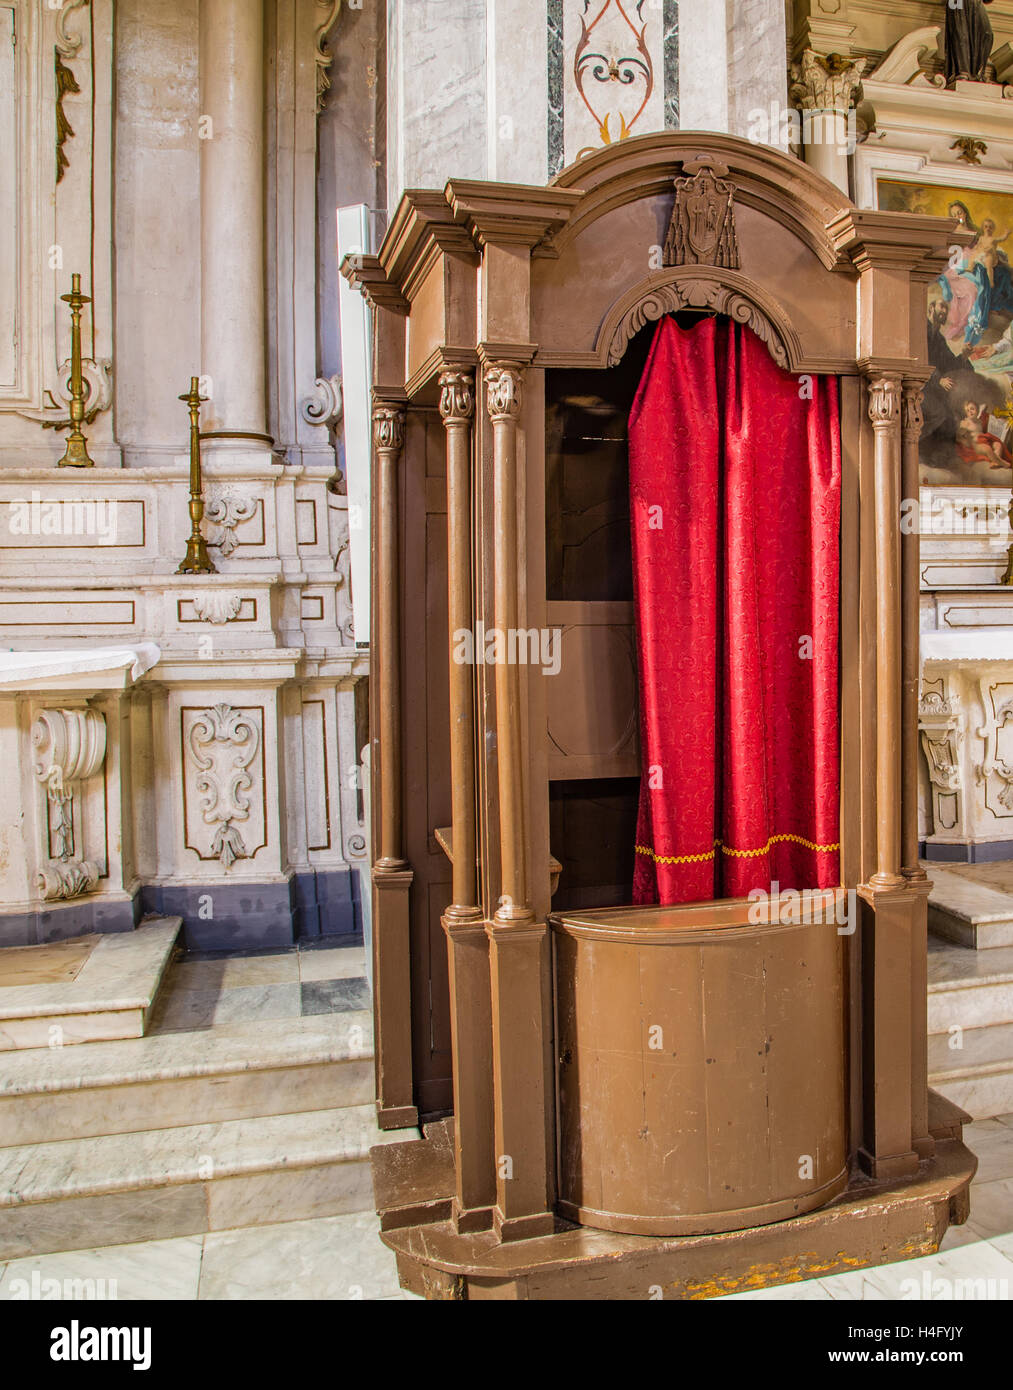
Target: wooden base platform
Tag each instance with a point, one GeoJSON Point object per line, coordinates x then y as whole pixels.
{"type": "Point", "coordinates": [872, 1222]}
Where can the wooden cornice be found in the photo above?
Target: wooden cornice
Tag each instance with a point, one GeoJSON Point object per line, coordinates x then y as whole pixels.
{"type": "Point", "coordinates": [508, 214]}
{"type": "Point", "coordinates": [423, 228]}
{"type": "Point", "coordinates": [903, 240]}
{"type": "Point", "coordinates": [365, 274]}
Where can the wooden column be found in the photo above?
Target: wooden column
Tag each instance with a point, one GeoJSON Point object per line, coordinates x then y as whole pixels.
{"type": "Point", "coordinates": [884, 412]}
{"type": "Point", "coordinates": [518, 944]}
{"type": "Point", "coordinates": [889, 932]}
{"type": "Point", "coordinates": [392, 877]}
{"type": "Point", "coordinates": [464, 920]}
{"type": "Point", "coordinates": [911, 427]}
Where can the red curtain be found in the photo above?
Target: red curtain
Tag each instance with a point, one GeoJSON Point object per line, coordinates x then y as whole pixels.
{"type": "Point", "coordinates": [735, 472]}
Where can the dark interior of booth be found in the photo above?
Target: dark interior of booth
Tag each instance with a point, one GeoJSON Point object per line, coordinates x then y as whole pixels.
{"type": "Point", "coordinates": [589, 560]}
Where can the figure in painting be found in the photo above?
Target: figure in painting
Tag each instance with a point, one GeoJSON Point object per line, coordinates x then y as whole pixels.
{"type": "Point", "coordinates": [974, 442]}
{"type": "Point", "coordinates": [981, 284]}
{"type": "Point", "coordinates": [969, 41]}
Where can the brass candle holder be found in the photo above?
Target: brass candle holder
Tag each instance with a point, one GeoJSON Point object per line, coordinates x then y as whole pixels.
{"type": "Point", "coordinates": [196, 560]}
{"type": "Point", "coordinates": [76, 453]}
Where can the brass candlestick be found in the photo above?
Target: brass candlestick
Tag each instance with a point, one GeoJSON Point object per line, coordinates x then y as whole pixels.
{"type": "Point", "coordinates": [197, 560]}
{"type": "Point", "coordinates": [76, 454]}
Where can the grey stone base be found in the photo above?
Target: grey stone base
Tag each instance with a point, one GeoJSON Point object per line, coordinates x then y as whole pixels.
{"type": "Point", "coordinates": [64, 920]}
{"type": "Point", "coordinates": [987, 852]}
{"type": "Point", "coordinates": [229, 917]}
{"type": "Point", "coordinates": [259, 916]}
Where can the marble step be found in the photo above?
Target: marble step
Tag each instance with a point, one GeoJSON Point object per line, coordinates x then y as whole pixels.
{"type": "Point", "coordinates": [976, 1071]}
{"type": "Point", "coordinates": [240, 1072]}
{"type": "Point", "coordinates": [968, 913]}
{"type": "Point", "coordinates": [969, 989]}
{"type": "Point", "coordinates": [110, 998]}
{"type": "Point", "coordinates": [77, 1194]}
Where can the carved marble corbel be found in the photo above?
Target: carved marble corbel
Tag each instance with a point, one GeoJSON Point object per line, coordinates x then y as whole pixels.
{"type": "Point", "coordinates": [327, 11]}
{"type": "Point", "coordinates": [325, 405]}
{"type": "Point", "coordinates": [68, 45]}
{"type": "Point", "coordinates": [70, 747]}
{"type": "Point", "coordinates": [941, 727]}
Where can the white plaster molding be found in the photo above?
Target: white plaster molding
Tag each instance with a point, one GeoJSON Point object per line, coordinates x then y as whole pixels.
{"type": "Point", "coordinates": [223, 744]}
{"type": "Point", "coordinates": [68, 880]}
{"type": "Point", "coordinates": [329, 11]}
{"type": "Point", "coordinates": [214, 606]}
{"type": "Point", "coordinates": [69, 45]}
{"type": "Point", "coordinates": [324, 405]}
{"type": "Point", "coordinates": [225, 512]}
{"type": "Point", "coordinates": [70, 746]}
{"type": "Point", "coordinates": [903, 63]}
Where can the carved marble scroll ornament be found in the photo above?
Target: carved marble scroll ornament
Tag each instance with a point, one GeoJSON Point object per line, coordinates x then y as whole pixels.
{"type": "Point", "coordinates": [224, 744]}
{"type": "Point", "coordinates": [70, 747]}
{"type": "Point", "coordinates": [224, 514]}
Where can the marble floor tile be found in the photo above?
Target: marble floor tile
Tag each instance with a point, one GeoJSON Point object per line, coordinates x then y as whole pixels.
{"type": "Point", "coordinates": [50, 964]}
{"type": "Point", "coordinates": [992, 1142]}
{"type": "Point", "coordinates": [332, 963]}
{"type": "Point", "coordinates": [992, 1208]}
{"type": "Point", "coordinates": [235, 972]}
{"type": "Point", "coordinates": [976, 1270]}
{"type": "Point", "coordinates": [334, 996]}
{"type": "Point", "coordinates": [152, 1269]}
{"type": "Point", "coordinates": [184, 1010]}
{"type": "Point", "coordinates": [329, 1258]}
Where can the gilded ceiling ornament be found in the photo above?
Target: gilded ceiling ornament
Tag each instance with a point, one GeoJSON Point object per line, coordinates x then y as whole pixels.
{"type": "Point", "coordinates": [702, 229]}
{"type": "Point", "coordinates": [970, 149]}
{"type": "Point", "coordinates": [65, 82]}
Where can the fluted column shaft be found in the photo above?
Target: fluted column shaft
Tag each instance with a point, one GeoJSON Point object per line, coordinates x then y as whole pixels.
{"type": "Point", "coordinates": [457, 407]}
{"type": "Point", "coordinates": [388, 441]}
{"type": "Point", "coordinates": [884, 412]}
{"type": "Point", "coordinates": [503, 383]}
{"type": "Point", "coordinates": [910, 658]}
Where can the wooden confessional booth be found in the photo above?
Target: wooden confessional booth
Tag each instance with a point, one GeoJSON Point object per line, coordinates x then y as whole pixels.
{"type": "Point", "coordinates": [618, 1099]}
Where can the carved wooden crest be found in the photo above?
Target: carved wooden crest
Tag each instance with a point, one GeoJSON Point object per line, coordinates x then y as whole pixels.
{"type": "Point", "coordinates": [702, 230]}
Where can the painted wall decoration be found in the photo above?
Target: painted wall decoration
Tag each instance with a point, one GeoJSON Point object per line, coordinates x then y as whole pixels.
{"type": "Point", "coordinates": [968, 433]}
{"type": "Point", "coordinates": [613, 71]}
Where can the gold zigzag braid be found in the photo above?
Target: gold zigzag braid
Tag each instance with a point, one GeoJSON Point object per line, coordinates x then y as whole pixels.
{"type": "Point", "coordinates": [737, 853]}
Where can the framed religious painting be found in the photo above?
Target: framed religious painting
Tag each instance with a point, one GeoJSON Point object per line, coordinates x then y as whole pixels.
{"type": "Point", "coordinates": [967, 439]}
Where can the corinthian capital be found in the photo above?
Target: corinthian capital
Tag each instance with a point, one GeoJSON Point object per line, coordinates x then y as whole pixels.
{"type": "Point", "coordinates": [912, 419]}
{"type": "Point", "coordinates": [503, 391]}
{"type": "Point", "coordinates": [826, 82]}
{"type": "Point", "coordinates": [388, 427]}
{"type": "Point", "coordinates": [457, 397]}
{"type": "Point", "coordinates": [884, 401]}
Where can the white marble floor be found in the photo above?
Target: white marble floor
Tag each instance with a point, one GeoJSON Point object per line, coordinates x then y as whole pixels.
{"type": "Point", "coordinates": [342, 1257]}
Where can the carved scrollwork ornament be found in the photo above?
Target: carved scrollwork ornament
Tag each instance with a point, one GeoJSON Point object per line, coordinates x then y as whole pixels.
{"type": "Point", "coordinates": [388, 427]}
{"type": "Point", "coordinates": [503, 391]}
{"type": "Point", "coordinates": [326, 403]}
{"type": "Point", "coordinates": [457, 397]}
{"type": "Point", "coordinates": [884, 401]}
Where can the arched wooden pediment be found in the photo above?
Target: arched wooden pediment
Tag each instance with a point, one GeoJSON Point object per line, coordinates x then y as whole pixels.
{"type": "Point", "coordinates": [712, 288]}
